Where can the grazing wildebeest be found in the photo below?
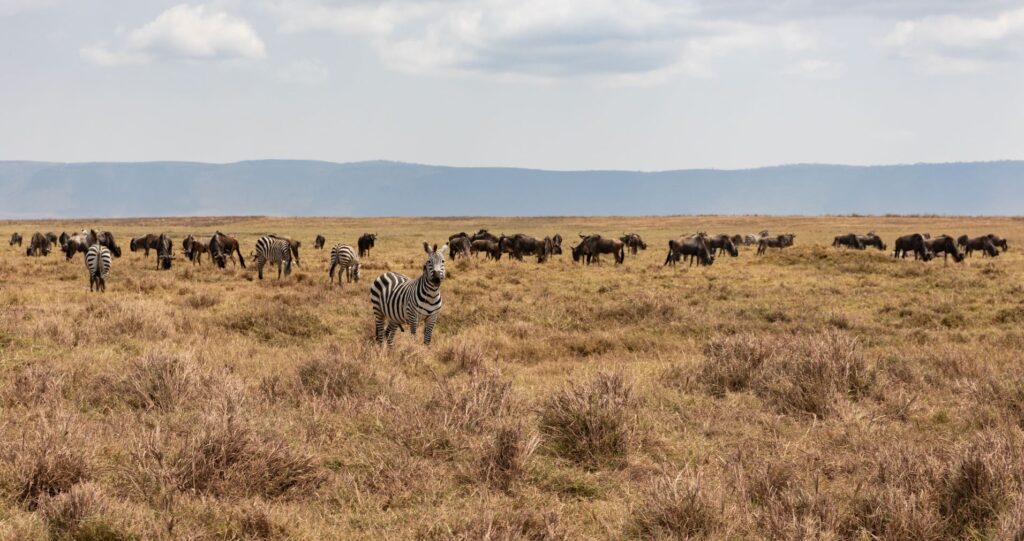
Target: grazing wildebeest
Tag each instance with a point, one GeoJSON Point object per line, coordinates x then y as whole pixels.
{"type": "Point", "coordinates": [591, 247]}
{"type": "Point", "coordinates": [556, 244]}
{"type": "Point", "coordinates": [694, 247]}
{"type": "Point", "coordinates": [633, 242]}
{"type": "Point", "coordinates": [737, 240]}
{"type": "Point", "coordinates": [144, 243]}
{"type": "Point", "coordinates": [319, 242]}
{"type": "Point", "coordinates": [750, 239]}
{"type": "Point", "coordinates": [871, 239]}
{"type": "Point", "coordinates": [366, 242]}
{"type": "Point", "coordinates": [38, 245]}
{"type": "Point", "coordinates": [79, 242]}
{"type": "Point", "coordinates": [850, 240]}
{"type": "Point", "coordinates": [399, 301]}
{"type": "Point", "coordinates": [15, 239]}
{"type": "Point", "coordinates": [778, 241]}
{"type": "Point", "coordinates": [460, 245]}
{"type": "Point", "coordinates": [221, 248]}
{"type": "Point", "coordinates": [106, 238]}
{"type": "Point", "coordinates": [722, 243]}
{"type": "Point", "coordinates": [913, 243]}
{"type": "Point", "coordinates": [984, 244]}
{"type": "Point", "coordinates": [52, 237]}
{"type": "Point", "coordinates": [194, 249]}
{"type": "Point", "coordinates": [520, 245]}
{"type": "Point", "coordinates": [164, 252]}
{"type": "Point", "coordinates": [489, 247]}
{"type": "Point", "coordinates": [484, 234]}
{"type": "Point", "coordinates": [945, 245]}
{"type": "Point", "coordinates": [344, 258]}
{"type": "Point", "coordinates": [998, 241]}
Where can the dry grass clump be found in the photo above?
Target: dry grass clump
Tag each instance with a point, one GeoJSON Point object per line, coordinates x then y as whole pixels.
{"type": "Point", "coordinates": [518, 524]}
{"type": "Point", "coordinates": [199, 301]}
{"type": "Point", "coordinates": [273, 325]}
{"type": "Point", "coordinates": [45, 462]}
{"type": "Point", "coordinates": [506, 457]}
{"type": "Point", "coordinates": [335, 378]}
{"type": "Point", "coordinates": [463, 355]}
{"type": "Point", "coordinates": [223, 457]}
{"type": "Point", "coordinates": [595, 424]}
{"type": "Point", "coordinates": [978, 483]}
{"type": "Point", "coordinates": [675, 507]}
{"type": "Point", "coordinates": [32, 386]}
{"type": "Point", "coordinates": [808, 374]}
{"type": "Point", "coordinates": [84, 513]}
{"type": "Point", "coordinates": [163, 381]}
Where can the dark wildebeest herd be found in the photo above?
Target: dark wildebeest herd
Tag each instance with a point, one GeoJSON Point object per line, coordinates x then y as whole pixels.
{"type": "Point", "coordinates": [400, 301]}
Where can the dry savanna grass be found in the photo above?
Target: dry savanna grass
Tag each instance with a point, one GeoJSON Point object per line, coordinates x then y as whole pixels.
{"type": "Point", "coordinates": [811, 393]}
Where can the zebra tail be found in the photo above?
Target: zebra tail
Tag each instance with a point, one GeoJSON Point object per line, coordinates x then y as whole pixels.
{"type": "Point", "coordinates": [331, 273]}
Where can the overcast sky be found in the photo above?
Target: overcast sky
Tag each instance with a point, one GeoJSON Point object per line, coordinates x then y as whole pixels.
{"type": "Point", "coordinates": [558, 84]}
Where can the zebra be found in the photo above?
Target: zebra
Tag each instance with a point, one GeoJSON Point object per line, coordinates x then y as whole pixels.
{"type": "Point", "coordinates": [396, 299]}
{"type": "Point", "coordinates": [344, 258]}
{"type": "Point", "coordinates": [274, 250]}
{"type": "Point", "coordinates": [97, 262]}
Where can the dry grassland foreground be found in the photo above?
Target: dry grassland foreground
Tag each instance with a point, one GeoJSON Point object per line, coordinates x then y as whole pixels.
{"type": "Point", "coordinates": [812, 393]}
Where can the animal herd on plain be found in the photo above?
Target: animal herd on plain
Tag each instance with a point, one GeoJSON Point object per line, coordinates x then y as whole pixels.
{"type": "Point", "coordinates": [399, 301]}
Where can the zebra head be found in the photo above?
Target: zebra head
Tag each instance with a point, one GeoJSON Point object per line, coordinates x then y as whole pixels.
{"type": "Point", "coordinates": [433, 269]}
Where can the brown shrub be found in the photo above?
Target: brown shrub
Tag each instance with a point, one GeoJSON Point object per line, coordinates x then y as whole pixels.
{"type": "Point", "coordinates": [593, 424]}
{"type": "Point", "coordinates": [82, 514]}
{"type": "Point", "coordinates": [977, 485]}
{"type": "Point", "coordinates": [507, 455]}
{"type": "Point", "coordinates": [674, 508]}
{"type": "Point", "coordinates": [335, 378]}
{"type": "Point", "coordinates": [45, 462]}
{"type": "Point", "coordinates": [796, 375]}
{"type": "Point", "coordinates": [224, 457]}
{"type": "Point", "coordinates": [163, 381]}
{"type": "Point", "coordinates": [31, 386]}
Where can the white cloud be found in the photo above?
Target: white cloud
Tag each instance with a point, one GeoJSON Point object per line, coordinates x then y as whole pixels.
{"type": "Point", "coordinates": [304, 72]}
{"type": "Point", "coordinates": [960, 44]}
{"type": "Point", "coordinates": [628, 39]}
{"type": "Point", "coordinates": [815, 68]}
{"type": "Point", "coordinates": [13, 7]}
{"type": "Point", "coordinates": [183, 31]}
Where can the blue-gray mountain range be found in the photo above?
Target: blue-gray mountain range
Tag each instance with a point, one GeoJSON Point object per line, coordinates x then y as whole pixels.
{"type": "Point", "coordinates": [381, 188]}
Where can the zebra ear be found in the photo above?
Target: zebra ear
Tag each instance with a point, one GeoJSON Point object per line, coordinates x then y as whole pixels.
{"type": "Point", "coordinates": [435, 246]}
{"type": "Point", "coordinates": [444, 249]}
{"type": "Point", "coordinates": [426, 247]}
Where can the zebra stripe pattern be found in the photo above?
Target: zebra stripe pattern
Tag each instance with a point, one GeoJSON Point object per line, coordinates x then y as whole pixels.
{"type": "Point", "coordinates": [97, 262]}
{"type": "Point", "coordinates": [276, 251]}
{"type": "Point", "coordinates": [397, 300]}
{"type": "Point", "coordinates": [344, 258]}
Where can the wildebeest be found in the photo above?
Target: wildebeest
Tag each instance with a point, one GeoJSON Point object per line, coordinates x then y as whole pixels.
{"type": "Point", "coordinates": [556, 244]}
{"type": "Point", "coordinates": [737, 240]}
{"type": "Point", "coordinates": [164, 252]}
{"type": "Point", "coordinates": [145, 243]}
{"type": "Point", "coordinates": [850, 240]}
{"type": "Point", "coordinates": [366, 242]}
{"type": "Point", "coordinates": [913, 243]}
{"type": "Point", "coordinates": [984, 244]}
{"type": "Point", "coordinates": [459, 243]}
{"type": "Point", "coordinates": [871, 239]}
{"type": "Point", "coordinates": [750, 239]}
{"type": "Point", "coordinates": [591, 247]}
{"type": "Point", "coordinates": [484, 234]}
{"type": "Point", "coordinates": [520, 245]}
{"type": "Point", "coordinates": [489, 247]}
{"type": "Point", "coordinates": [52, 237]}
{"type": "Point", "coordinates": [38, 245]}
{"type": "Point", "coordinates": [194, 249]}
{"type": "Point", "coordinates": [318, 242]}
{"type": "Point", "coordinates": [694, 247]}
{"type": "Point", "coordinates": [79, 242]}
{"type": "Point", "coordinates": [998, 241]}
{"type": "Point", "coordinates": [15, 239]}
{"type": "Point", "coordinates": [945, 245]}
{"type": "Point", "coordinates": [633, 242]}
{"type": "Point", "coordinates": [722, 243]}
{"type": "Point", "coordinates": [221, 248]}
{"type": "Point", "coordinates": [778, 241]}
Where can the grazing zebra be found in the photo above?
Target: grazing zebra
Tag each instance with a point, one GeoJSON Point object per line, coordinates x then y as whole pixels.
{"type": "Point", "coordinates": [344, 258]}
{"type": "Point", "coordinates": [396, 299]}
{"type": "Point", "coordinates": [276, 251]}
{"type": "Point", "coordinates": [97, 262]}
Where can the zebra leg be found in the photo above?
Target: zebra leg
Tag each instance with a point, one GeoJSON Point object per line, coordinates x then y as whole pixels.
{"type": "Point", "coordinates": [259, 269]}
{"type": "Point", "coordinates": [428, 328]}
{"type": "Point", "coordinates": [378, 326]}
{"type": "Point", "coordinates": [391, 334]}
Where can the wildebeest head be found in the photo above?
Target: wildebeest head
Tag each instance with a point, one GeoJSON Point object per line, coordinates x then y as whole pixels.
{"type": "Point", "coordinates": [433, 269]}
{"type": "Point", "coordinates": [106, 238]}
{"type": "Point", "coordinates": [63, 239]}
{"type": "Point", "coordinates": [165, 251]}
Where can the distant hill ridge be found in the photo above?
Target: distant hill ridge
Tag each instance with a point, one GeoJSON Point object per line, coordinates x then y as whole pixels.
{"type": "Point", "coordinates": [382, 188]}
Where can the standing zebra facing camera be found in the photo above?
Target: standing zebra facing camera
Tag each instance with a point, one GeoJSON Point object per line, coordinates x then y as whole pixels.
{"type": "Point", "coordinates": [276, 251]}
{"type": "Point", "coordinates": [97, 262]}
{"type": "Point", "coordinates": [344, 258]}
{"type": "Point", "coordinates": [397, 300]}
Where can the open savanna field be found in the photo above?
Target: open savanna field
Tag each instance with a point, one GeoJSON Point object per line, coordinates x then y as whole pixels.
{"type": "Point", "coordinates": [813, 393]}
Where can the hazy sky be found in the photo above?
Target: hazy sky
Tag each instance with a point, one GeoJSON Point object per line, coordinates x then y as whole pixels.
{"type": "Point", "coordinates": [560, 84]}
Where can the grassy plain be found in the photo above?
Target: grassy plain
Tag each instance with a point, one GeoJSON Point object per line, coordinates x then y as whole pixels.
{"type": "Point", "coordinates": [813, 393]}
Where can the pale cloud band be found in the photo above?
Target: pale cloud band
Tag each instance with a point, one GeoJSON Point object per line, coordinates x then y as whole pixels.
{"type": "Point", "coordinates": [183, 31]}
